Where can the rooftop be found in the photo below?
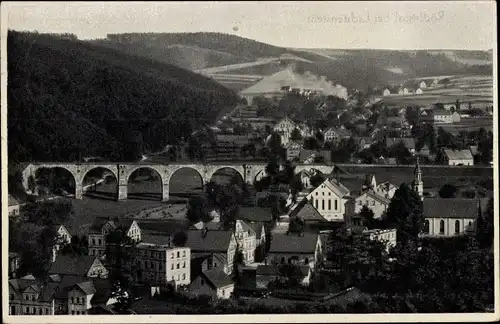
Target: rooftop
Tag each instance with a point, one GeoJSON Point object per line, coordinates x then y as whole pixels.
{"type": "Point", "coordinates": [450, 208]}
{"type": "Point", "coordinates": [305, 243]}
{"type": "Point", "coordinates": [69, 265]}
{"type": "Point", "coordinates": [458, 154]}
{"type": "Point", "coordinates": [217, 278]}
{"type": "Point", "coordinates": [211, 241]}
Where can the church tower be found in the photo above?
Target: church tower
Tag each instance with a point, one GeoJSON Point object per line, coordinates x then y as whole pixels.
{"type": "Point", "coordinates": [417, 185]}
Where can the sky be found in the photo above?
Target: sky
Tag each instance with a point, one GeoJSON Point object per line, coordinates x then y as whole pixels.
{"type": "Point", "coordinates": [376, 25]}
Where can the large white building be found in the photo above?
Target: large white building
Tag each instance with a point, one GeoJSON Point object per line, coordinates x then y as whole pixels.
{"type": "Point", "coordinates": [159, 263]}
{"type": "Point", "coordinates": [458, 157]}
{"type": "Point", "coordinates": [329, 199]}
{"type": "Point", "coordinates": [450, 217]}
{"type": "Point", "coordinates": [386, 236]}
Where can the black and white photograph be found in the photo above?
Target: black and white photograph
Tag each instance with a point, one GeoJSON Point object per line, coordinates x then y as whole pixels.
{"type": "Point", "coordinates": [260, 161]}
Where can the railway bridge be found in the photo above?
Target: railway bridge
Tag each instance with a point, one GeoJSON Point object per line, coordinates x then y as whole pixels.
{"type": "Point", "coordinates": [248, 171]}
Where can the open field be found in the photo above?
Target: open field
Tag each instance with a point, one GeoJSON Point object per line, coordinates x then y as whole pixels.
{"type": "Point", "coordinates": [464, 88]}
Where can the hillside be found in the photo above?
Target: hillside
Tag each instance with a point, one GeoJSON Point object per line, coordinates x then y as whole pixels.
{"type": "Point", "coordinates": [69, 98]}
{"type": "Point", "coordinates": [353, 68]}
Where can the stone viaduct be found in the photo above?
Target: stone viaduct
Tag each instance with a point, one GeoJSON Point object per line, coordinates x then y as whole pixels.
{"type": "Point", "coordinates": [249, 172]}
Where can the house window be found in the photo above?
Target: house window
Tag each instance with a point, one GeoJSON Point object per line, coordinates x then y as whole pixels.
{"type": "Point", "coordinates": [426, 226]}
{"type": "Point", "coordinates": [183, 253]}
{"type": "Point", "coordinates": [72, 300]}
{"type": "Point", "coordinates": [316, 204]}
{"type": "Point", "coordinates": [183, 276]}
{"type": "Point", "coordinates": [316, 193]}
{"type": "Point", "coordinates": [160, 266]}
{"type": "Point", "coordinates": [282, 260]}
{"type": "Point", "coordinates": [46, 311]}
{"type": "Point", "coordinates": [336, 205]}
{"type": "Point", "coordinates": [27, 311]}
{"type": "Point", "coordinates": [178, 254]}
{"type": "Point", "coordinates": [441, 227]}
{"type": "Point", "coordinates": [72, 312]}
{"type": "Point", "coordinates": [469, 226]}
{"type": "Point", "coordinates": [100, 242]}
{"type": "Point", "coordinates": [323, 204]}
{"type": "Point", "coordinates": [172, 266]}
{"type": "Point", "coordinates": [93, 241]}
{"type": "Point", "coordinates": [184, 264]}
{"type": "Point", "coordinates": [172, 256]}
{"type": "Point", "coordinates": [457, 226]}
{"type": "Point", "coordinates": [202, 282]}
{"type": "Point", "coordinates": [329, 204]}
{"type": "Point", "coordinates": [40, 311]}
{"type": "Point", "coordinates": [178, 266]}
{"type": "Point", "coordinates": [329, 194]}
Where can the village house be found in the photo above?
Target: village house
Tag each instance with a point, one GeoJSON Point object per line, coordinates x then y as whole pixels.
{"type": "Point", "coordinates": [159, 263]}
{"type": "Point", "coordinates": [83, 296]}
{"type": "Point", "coordinates": [450, 217]}
{"type": "Point", "coordinates": [458, 157]}
{"type": "Point", "coordinates": [443, 116]}
{"type": "Point", "coordinates": [244, 234]}
{"type": "Point", "coordinates": [214, 283]}
{"type": "Point", "coordinates": [63, 238]}
{"type": "Point", "coordinates": [14, 206]}
{"type": "Point", "coordinates": [207, 241]}
{"type": "Point", "coordinates": [305, 211]}
{"type": "Point", "coordinates": [386, 93]}
{"type": "Point", "coordinates": [329, 199]}
{"type": "Point", "coordinates": [293, 149]}
{"type": "Point", "coordinates": [378, 204]}
{"type": "Point", "coordinates": [315, 156]}
{"type": "Point", "coordinates": [302, 249]}
{"type": "Point", "coordinates": [386, 189]}
{"type": "Point", "coordinates": [422, 85]}
{"type": "Point", "coordinates": [103, 226]}
{"type": "Point", "coordinates": [335, 134]}
{"type": "Point", "coordinates": [285, 128]}
{"type": "Point", "coordinates": [386, 236]}
{"type": "Point", "coordinates": [28, 296]}
{"type": "Point", "coordinates": [419, 91]}
{"type": "Point", "coordinates": [78, 266]}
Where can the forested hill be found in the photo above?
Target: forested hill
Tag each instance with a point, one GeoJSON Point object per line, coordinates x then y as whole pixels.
{"type": "Point", "coordinates": [68, 98]}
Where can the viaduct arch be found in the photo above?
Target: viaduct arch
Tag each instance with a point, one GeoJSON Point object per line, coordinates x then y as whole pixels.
{"type": "Point", "coordinates": [122, 172]}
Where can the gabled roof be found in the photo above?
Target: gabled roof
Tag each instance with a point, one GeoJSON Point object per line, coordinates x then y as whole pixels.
{"type": "Point", "coordinates": [211, 241]}
{"type": "Point", "coordinates": [13, 201]}
{"type": "Point", "coordinates": [162, 227]}
{"type": "Point", "coordinates": [459, 154]}
{"type": "Point", "coordinates": [301, 244]}
{"type": "Point", "coordinates": [217, 278]}
{"type": "Point", "coordinates": [441, 112]}
{"type": "Point", "coordinates": [68, 265]}
{"type": "Point", "coordinates": [375, 196]}
{"type": "Point", "coordinates": [87, 287]}
{"type": "Point", "coordinates": [257, 228]}
{"type": "Point", "coordinates": [299, 143]}
{"type": "Point", "coordinates": [306, 211]}
{"type": "Point", "coordinates": [450, 208]}
{"type": "Point", "coordinates": [156, 239]}
{"type": "Point", "coordinates": [335, 186]}
{"type": "Point", "coordinates": [254, 214]}
{"type": "Point", "coordinates": [246, 227]}
{"type": "Point", "coordinates": [45, 291]}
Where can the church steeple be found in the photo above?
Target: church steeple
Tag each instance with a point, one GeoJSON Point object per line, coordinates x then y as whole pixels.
{"type": "Point", "coordinates": [417, 184]}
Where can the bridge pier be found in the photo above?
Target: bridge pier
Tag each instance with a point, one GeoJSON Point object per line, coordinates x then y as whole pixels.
{"type": "Point", "coordinates": [165, 194]}
{"type": "Point", "coordinates": [78, 190]}
{"type": "Point", "coordinates": [122, 192]}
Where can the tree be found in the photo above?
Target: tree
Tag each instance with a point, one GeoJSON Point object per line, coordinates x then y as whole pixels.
{"type": "Point", "coordinates": [296, 135]}
{"type": "Point", "coordinates": [180, 238]}
{"type": "Point", "coordinates": [198, 209]}
{"type": "Point", "coordinates": [448, 191]}
{"type": "Point", "coordinates": [367, 216]}
{"type": "Point", "coordinates": [119, 254]}
{"type": "Point", "coordinates": [274, 145]}
{"type": "Point", "coordinates": [273, 167]}
{"type": "Point", "coordinates": [311, 143]}
{"type": "Point", "coordinates": [317, 179]}
{"type": "Point", "coordinates": [405, 212]}
{"type": "Point", "coordinates": [296, 186]}
{"type": "Point", "coordinates": [31, 184]}
{"type": "Point", "coordinates": [400, 152]}
{"type": "Point", "coordinates": [485, 229]}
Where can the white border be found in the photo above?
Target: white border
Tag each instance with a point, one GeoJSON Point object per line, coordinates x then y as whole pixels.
{"type": "Point", "coordinates": [296, 318]}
